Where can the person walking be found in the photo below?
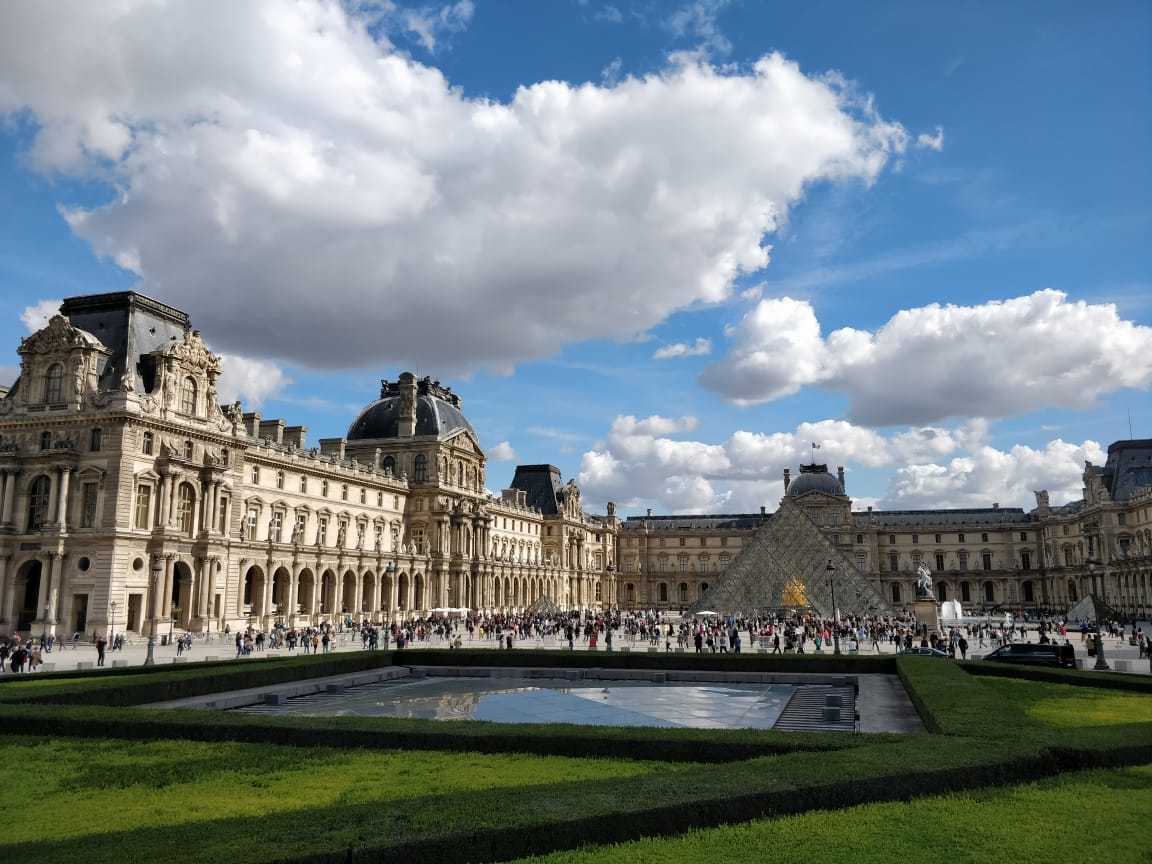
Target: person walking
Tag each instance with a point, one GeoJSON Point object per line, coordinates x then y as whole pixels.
{"type": "Point", "coordinates": [101, 645]}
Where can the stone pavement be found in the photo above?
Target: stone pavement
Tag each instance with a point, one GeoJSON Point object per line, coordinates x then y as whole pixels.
{"type": "Point", "coordinates": [222, 647]}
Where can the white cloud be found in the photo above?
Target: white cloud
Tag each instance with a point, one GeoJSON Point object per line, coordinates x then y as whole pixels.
{"type": "Point", "coordinates": [700, 348]}
{"type": "Point", "coordinates": [502, 452]}
{"type": "Point", "coordinates": [933, 141]}
{"type": "Point", "coordinates": [608, 14]}
{"type": "Point", "coordinates": [996, 359]}
{"type": "Point", "coordinates": [278, 163]}
{"type": "Point", "coordinates": [638, 466]}
{"type": "Point", "coordinates": [249, 380]}
{"type": "Point", "coordinates": [698, 20]}
{"type": "Point", "coordinates": [987, 476]}
{"type": "Point", "coordinates": [36, 316]}
{"type": "Point", "coordinates": [430, 24]}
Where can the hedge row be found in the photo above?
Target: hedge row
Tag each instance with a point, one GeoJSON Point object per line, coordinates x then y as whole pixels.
{"type": "Point", "coordinates": [951, 702]}
{"type": "Point", "coordinates": [667, 745]}
{"type": "Point", "coordinates": [1050, 675]}
{"type": "Point", "coordinates": [826, 664]}
{"type": "Point", "coordinates": [186, 681]}
{"type": "Point", "coordinates": [499, 824]}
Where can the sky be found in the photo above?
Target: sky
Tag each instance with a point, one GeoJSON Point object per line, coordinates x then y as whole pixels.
{"type": "Point", "coordinates": [670, 247]}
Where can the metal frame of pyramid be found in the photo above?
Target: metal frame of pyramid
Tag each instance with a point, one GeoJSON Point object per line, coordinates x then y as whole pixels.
{"type": "Point", "coordinates": [784, 565]}
{"type": "Point", "coordinates": [543, 607]}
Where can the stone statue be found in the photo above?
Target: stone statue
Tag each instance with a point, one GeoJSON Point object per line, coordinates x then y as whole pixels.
{"type": "Point", "coordinates": [341, 535]}
{"type": "Point", "coordinates": [298, 532]}
{"type": "Point", "coordinates": [923, 581]}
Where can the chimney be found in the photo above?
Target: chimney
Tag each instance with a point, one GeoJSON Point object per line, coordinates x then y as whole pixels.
{"type": "Point", "coordinates": [252, 424]}
{"type": "Point", "coordinates": [840, 475]}
{"type": "Point", "coordinates": [332, 447]}
{"type": "Point", "coordinates": [295, 436]}
{"type": "Point", "coordinates": [787, 479]}
{"type": "Point", "coordinates": [762, 509]}
{"type": "Point", "coordinates": [996, 505]}
{"type": "Point", "coordinates": [611, 508]}
{"type": "Point", "coordinates": [407, 419]}
{"type": "Point", "coordinates": [649, 511]}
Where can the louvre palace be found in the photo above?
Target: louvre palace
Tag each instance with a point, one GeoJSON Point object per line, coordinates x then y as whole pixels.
{"type": "Point", "coordinates": [131, 499]}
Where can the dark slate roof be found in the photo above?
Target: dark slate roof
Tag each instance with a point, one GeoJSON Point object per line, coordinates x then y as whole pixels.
{"type": "Point", "coordinates": [1128, 471]}
{"type": "Point", "coordinates": [1070, 508]}
{"type": "Point", "coordinates": [541, 485]}
{"type": "Point", "coordinates": [942, 518]}
{"type": "Point", "coordinates": [725, 521]}
{"type": "Point", "coordinates": [814, 478]}
{"type": "Point", "coordinates": [434, 416]}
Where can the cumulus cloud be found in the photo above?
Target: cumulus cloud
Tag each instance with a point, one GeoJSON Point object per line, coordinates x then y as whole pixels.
{"type": "Point", "coordinates": [36, 316]}
{"type": "Point", "coordinates": [430, 24]}
{"type": "Point", "coordinates": [641, 463]}
{"type": "Point", "coordinates": [502, 452]}
{"type": "Point", "coordinates": [700, 348]}
{"type": "Point", "coordinates": [931, 141]}
{"type": "Point", "coordinates": [249, 380]}
{"type": "Point", "coordinates": [934, 362]}
{"type": "Point", "coordinates": [277, 162]}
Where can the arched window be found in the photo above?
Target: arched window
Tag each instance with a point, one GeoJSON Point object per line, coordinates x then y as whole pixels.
{"type": "Point", "coordinates": [989, 592]}
{"type": "Point", "coordinates": [146, 444]}
{"type": "Point", "coordinates": [188, 396]}
{"type": "Point", "coordinates": [420, 468]}
{"type": "Point", "coordinates": [54, 384]}
{"type": "Point", "coordinates": [186, 508]}
{"type": "Point", "coordinates": [389, 465]}
{"type": "Point", "coordinates": [38, 494]}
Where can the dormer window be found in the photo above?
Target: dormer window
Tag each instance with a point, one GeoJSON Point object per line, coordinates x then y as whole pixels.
{"type": "Point", "coordinates": [188, 396]}
{"type": "Point", "coordinates": [54, 384]}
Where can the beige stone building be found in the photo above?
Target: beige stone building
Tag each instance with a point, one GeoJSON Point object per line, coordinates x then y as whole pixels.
{"type": "Point", "coordinates": [130, 500]}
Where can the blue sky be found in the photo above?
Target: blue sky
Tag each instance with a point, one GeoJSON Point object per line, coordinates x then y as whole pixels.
{"type": "Point", "coordinates": [1019, 165]}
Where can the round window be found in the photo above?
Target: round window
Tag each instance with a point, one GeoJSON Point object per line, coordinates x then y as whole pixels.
{"type": "Point", "coordinates": [138, 564]}
{"type": "Point", "coordinates": [84, 564]}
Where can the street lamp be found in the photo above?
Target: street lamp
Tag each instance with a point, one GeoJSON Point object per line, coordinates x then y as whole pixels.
{"type": "Point", "coordinates": [831, 572]}
{"type": "Point", "coordinates": [112, 622]}
{"type": "Point", "coordinates": [158, 581]}
{"type": "Point", "coordinates": [1097, 639]}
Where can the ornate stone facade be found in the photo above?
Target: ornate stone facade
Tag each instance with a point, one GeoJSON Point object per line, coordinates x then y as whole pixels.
{"type": "Point", "coordinates": [130, 500]}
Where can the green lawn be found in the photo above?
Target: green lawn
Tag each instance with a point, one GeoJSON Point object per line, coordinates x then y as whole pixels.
{"type": "Point", "coordinates": [54, 789]}
{"type": "Point", "coordinates": [1065, 705]}
{"type": "Point", "coordinates": [1100, 815]}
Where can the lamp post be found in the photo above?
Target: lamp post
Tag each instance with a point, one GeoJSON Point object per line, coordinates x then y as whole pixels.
{"type": "Point", "coordinates": [831, 572]}
{"type": "Point", "coordinates": [112, 622]}
{"type": "Point", "coordinates": [1097, 639]}
{"type": "Point", "coordinates": [158, 581]}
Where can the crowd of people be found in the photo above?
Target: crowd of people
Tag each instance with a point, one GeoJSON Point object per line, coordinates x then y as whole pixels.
{"type": "Point", "coordinates": [785, 632]}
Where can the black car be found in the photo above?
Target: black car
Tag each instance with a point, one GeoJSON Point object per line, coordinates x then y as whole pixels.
{"type": "Point", "coordinates": [1035, 655]}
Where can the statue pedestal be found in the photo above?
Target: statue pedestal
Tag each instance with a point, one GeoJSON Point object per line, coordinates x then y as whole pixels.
{"type": "Point", "coordinates": [927, 614]}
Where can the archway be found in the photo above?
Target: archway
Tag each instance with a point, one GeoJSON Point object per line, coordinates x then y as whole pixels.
{"type": "Point", "coordinates": [402, 594]}
{"type": "Point", "coordinates": [281, 592]}
{"type": "Point", "coordinates": [418, 599]}
{"type": "Point", "coordinates": [179, 604]}
{"type": "Point", "coordinates": [252, 595]}
{"type": "Point", "coordinates": [348, 593]}
{"type": "Point", "coordinates": [305, 592]}
{"type": "Point", "coordinates": [366, 595]}
{"type": "Point", "coordinates": [496, 592]}
{"type": "Point", "coordinates": [27, 593]}
{"type": "Point", "coordinates": [386, 596]}
{"type": "Point", "coordinates": [328, 593]}
{"type": "Point", "coordinates": [1029, 593]}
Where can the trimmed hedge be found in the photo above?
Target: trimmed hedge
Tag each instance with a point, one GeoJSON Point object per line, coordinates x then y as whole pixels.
{"type": "Point", "coordinates": [668, 745]}
{"type": "Point", "coordinates": [186, 681]}
{"type": "Point", "coordinates": [826, 664]}
{"type": "Point", "coordinates": [1050, 675]}
{"type": "Point", "coordinates": [500, 824]}
{"type": "Point", "coordinates": [951, 702]}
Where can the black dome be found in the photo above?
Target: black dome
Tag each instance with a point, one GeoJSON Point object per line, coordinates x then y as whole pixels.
{"type": "Point", "coordinates": [434, 416]}
{"type": "Point", "coordinates": [815, 481]}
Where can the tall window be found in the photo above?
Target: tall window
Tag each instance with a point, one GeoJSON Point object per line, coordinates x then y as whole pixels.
{"type": "Point", "coordinates": [895, 593]}
{"type": "Point", "coordinates": [255, 474]}
{"type": "Point", "coordinates": [188, 396]}
{"type": "Point", "coordinates": [986, 560]}
{"type": "Point", "coordinates": [389, 465]}
{"type": "Point", "coordinates": [279, 479]}
{"type": "Point", "coordinates": [38, 502]}
{"type": "Point", "coordinates": [989, 592]}
{"type": "Point", "coordinates": [322, 531]}
{"type": "Point", "coordinates": [363, 495]}
{"type": "Point", "coordinates": [186, 509]}
{"type": "Point", "coordinates": [1025, 561]}
{"type": "Point", "coordinates": [250, 523]}
{"type": "Point", "coordinates": [344, 492]}
{"type": "Point", "coordinates": [965, 592]}
{"type": "Point", "coordinates": [222, 527]}
{"type": "Point", "coordinates": [663, 592]}
{"type": "Point", "coordinates": [276, 529]}
{"type": "Point", "coordinates": [893, 561]}
{"type": "Point", "coordinates": [324, 488]}
{"type": "Point", "coordinates": [45, 440]}
{"type": "Point", "coordinates": [224, 456]}
{"type": "Point", "coordinates": [88, 505]}
{"type": "Point", "coordinates": [420, 468]}
{"type": "Point", "coordinates": [939, 561]}
{"type": "Point", "coordinates": [301, 525]}
{"type": "Point", "coordinates": [143, 506]}
{"type": "Point", "coordinates": [303, 485]}
{"type": "Point", "coordinates": [960, 538]}
{"type": "Point", "coordinates": [54, 384]}
{"type": "Point", "coordinates": [962, 557]}
{"type": "Point", "coordinates": [96, 440]}
{"type": "Point", "coordinates": [146, 444]}
{"type": "Point", "coordinates": [189, 450]}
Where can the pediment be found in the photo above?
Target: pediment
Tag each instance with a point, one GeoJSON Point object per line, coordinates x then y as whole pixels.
{"type": "Point", "coordinates": [464, 440]}
{"type": "Point", "coordinates": [60, 336]}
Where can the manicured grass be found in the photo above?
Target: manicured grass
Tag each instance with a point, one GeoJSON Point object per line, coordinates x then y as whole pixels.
{"type": "Point", "coordinates": [1101, 815]}
{"type": "Point", "coordinates": [82, 788]}
{"type": "Point", "coordinates": [1064, 705]}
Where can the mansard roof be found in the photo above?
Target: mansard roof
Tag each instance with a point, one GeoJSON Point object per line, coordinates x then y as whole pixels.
{"type": "Point", "coordinates": [711, 521]}
{"type": "Point", "coordinates": [1128, 471]}
{"type": "Point", "coordinates": [542, 487]}
{"type": "Point", "coordinates": [942, 518]}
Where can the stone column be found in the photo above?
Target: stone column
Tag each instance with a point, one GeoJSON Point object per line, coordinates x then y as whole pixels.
{"type": "Point", "coordinates": [54, 594]}
{"type": "Point", "coordinates": [293, 590]}
{"type": "Point", "coordinates": [166, 597]}
{"type": "Point", "coordinates": [392, 588]}
{"type": "Point", "coordinates": [162, 503]}
{"type": "Point", "coordinates": [266, 594]}
{"type": "Point", "coordinates": [7, 592]}
{"type": "Point", "coordinates": [173, 483]}
{"type": "Point", "coordinates": [46, 569]}
{"type": "Point", "coordinates": [375, 603]}
{"type": "Point", "coordinates": [9, 496]}
{"type": "Point", "coordinates": [214, 527]}
{"type": "Point", "coordinates": [202, 587]}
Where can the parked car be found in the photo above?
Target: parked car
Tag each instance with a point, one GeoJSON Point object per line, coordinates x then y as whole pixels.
{"type": "Point", "coordinates": [1034, 655]}
{"type": "Point", "coordinates": [926, 652]}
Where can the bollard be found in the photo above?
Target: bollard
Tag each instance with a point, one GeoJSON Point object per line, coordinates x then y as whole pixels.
{"type": "Point", "coordinates": [84, 664]}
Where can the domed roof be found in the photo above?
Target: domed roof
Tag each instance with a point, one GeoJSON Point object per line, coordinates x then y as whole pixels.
{"type": "Point", "coordinates": [437, 413]}
{"type": "Point", "coordinates": [815, 478]}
